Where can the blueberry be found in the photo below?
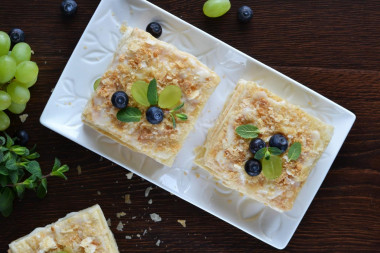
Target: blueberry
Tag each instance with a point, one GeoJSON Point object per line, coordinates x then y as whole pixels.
{"type": "Point", "coordinates": [252, 167]}
{"type": "Point", "coordinates": [154, 115]}
{"type": "Point", "coordinates": [278, 141]}
{"type": "Point", "coordinates": [120, 99]}
{"type": "Point", "coordinates": [68, 7]}
{"type": "Point", "coordinates": [17, 35]}
{"type": "Point", "coordinates": [154, 29]}
{"type": "Point", "coordinates": [256, 144]}
{"type": "Point", "coordinates": [244, 14]}
{"type": "Point", "coordinates": [22, 137]}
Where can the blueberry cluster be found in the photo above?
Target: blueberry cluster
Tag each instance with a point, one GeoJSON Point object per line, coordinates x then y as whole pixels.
{"type": "Point", "coordinates": [252, 166]}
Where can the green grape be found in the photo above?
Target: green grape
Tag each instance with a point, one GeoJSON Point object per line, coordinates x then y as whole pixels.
{"type": "Point", "coordinates": [26, 71]}
{"type": "Point", "coordinates": [5, 43]}
{"type": "Point", "coordinates": [272, 168]}
{"type": "Point", "coordinates": [7, 68]}
{"type": "Point", "coordinates": [5, 100]}
{"type": "Point", "coordinates": [169, 97]}
{"type": "Point", "coordinates": [19, 94]}
{"type": "Point", "coordinates": [96, 84]}
{"type": "Point", "coordinates": [21, 52]}
{"type": "Point", "coordinates": [216, 8]}
{"type": "Point", "coordinates": [139, 92]}
{"type": "Point", "coordinates": [16, 108]}
{"type": "Point", "coordinates": [30, 84]}
{"type": "Point", "coordinates": [4, 121]}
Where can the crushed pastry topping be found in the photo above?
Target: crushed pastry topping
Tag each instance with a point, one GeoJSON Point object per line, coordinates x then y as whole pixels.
{"type": "Point", "coordinates": [121, 214]}
{"type": "Point", "coordinates": [129, 175]}
{"type": "Point", "coordinates": [79, 169]}
{"type": "Point", "coordinates": [127, 199]}
{"type": "Point", "coordinates": [109, 222]}
{"type": "Point", "coordinates": [182, 222]}
{"type": "Point", "coordinates": [147, 190]}
{"type": "Point", "coordinates": [158, 243]}
{"type": "Point", "coordinates": [120, 226]}
{"type": "Point", "coordinates": [155, 217]}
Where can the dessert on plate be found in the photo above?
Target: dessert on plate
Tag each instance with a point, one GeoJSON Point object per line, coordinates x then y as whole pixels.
{"type": "Point", "coordinates": [155, 124]}
{"type": "Point", "coordinates": [263, 146]}
{"type": "Point", "coordinates": [84, 231]}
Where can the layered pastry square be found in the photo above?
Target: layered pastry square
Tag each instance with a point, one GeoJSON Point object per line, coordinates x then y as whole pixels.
{"type": "Point", "coordinates": [141, 57]}
{"type": "Point", "coordinates": [224, 153]}
{"type": "Point", "coordinates": [83, 231]}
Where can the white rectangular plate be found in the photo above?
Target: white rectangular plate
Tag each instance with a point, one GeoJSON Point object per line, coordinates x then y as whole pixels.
{"type": "Point", "coordinates": [90, 59]}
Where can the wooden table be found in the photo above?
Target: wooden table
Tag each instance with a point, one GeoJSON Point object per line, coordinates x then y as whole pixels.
{"type": "Point", "coordinates": [330, 46]}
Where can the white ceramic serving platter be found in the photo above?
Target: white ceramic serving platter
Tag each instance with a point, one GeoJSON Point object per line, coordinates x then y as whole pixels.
{"type": "Point", "coordinates": [90, 59]}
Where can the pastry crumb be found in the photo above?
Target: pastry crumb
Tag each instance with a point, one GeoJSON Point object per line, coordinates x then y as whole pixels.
{"type": "Point", "coordinates": [158, 243]}
{"type": "Point", "coordinates": [145, 232]}
{"type": "Point", "coordinates": [182, 222]}
{"type": "Point", "coordinates": [127, 199]}
{"type": "Point", "coordinates": [120, 226]}
{"type": "Point", "coordinates": [147, 190]}
{"type": "Point", "coordinates": [129, 175]}
{"type": "Point", "coordinates": [128, 237]}
{"type": "Point", "coordinates": [23, 117]}
{"type": "Point", "coordinates": [79, 169]}
{"type": "Point", "coordinates": [99, 193]}
{"type": "Point", "coordinates": [138, 235]}
{"type": "Point", "coordinates": [155, 217]}
{"type": "Point", "coordinates": [109, 222]}
{"type": "Point", "coordinates": [150, 201]}
{"type": "Point", "coordinates": [121, 214]}
{"type": "Point", "coordinates": [134, 217]}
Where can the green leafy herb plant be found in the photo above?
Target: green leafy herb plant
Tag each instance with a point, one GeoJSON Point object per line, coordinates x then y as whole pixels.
{"type": "Point", "coordinates": [146, 95]}
{"type": "Point", "coordinates": [20, 171]}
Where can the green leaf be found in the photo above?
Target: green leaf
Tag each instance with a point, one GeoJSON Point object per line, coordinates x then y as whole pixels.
{"type": "Point", "coordinates": [3, 170]}
{"type": "Point", "coordinates": [10, 141]}
{"type": "Point", "coordinates": [260, 153]}
{"type": "Point", "coordinates": [169, 97]}
{"type": "Point", "coordinates": [173, 120]}
{"type": "Point", "coordinates": [42, 189]}
{"type": "Point", "coordinates": [181, 116]}
{"type": "Point", "coordinates": [139, 92]}
{"type": "Point", "coordinates": [30, 182]}
{"type": "Point", "coordinates": [3, 180]}
{"type": "Point", "coordinates": [58, 174]}
{"type": "Point", "coordinates": [129, 114]}
{"type": "Point", "coordinates": [13, 175]}
{"type": "Point", "coordinates": [57, 164]}
{"type": "Point", "coordinates": [275, 151]}
{"type": "Point", "coordinates": [247, 131]}
{"type": "Point", "coordinates": [272, 168]}
{"type": "Point", "coordinates": [11, 164]}
{"type": "Point", "coordinates": [34, 168]}
{"type": "Point", "coordinates": [18, 150]}
{"type": "Point", "coordinates": [178, 107]}
{"type": "Point", "coordinates": [32, 156]}
{"type": "Point", "coordinates": [1, 156]}
{"type": "Point", "coordinates": [6, 199]}
{"type": "Point", "coordinates": [20, 190]}
{"type": "Point", "coordinates": [2, 141]}
{"type": "Point", "coordinates": [152, 92]}
{"type": "Point", "coordinates": [63, 168]}
{"type": "Point", "coordinates": [294, 151]}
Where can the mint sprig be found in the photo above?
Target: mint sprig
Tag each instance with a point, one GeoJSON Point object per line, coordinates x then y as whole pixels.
{"type": "Point", "coordinates": [129, 114]}
{"type": "Point", "coordinates": [152, 92]}
{"type": "Point", "coordinates": [20, 171]}
{"type": "Point", "coordinates": [180, 116]}
{"type": "Point", "coordinates": [294, 151]}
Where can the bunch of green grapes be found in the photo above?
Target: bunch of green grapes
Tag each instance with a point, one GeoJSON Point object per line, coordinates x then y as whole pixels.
{"type": "Point", "coordinates": [17, 75]}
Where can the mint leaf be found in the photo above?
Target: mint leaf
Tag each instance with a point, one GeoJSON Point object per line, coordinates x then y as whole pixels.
{"type": "Point", "coordinates": [181, 116]}
{"type": "Point", "coordinates": [58, 174]}
{"type": "Point", "coordinates": [129, 114]}
{"type": "Point", "coordinates": [9, 142]}
{"type": "Point", "coordinates": [178, 107]}
{"type": "Point", "coordinates": [274, 151]}
{"type": "Point", "coordinates": [173, 120]}
{"type": "Point", "coordinates": [6, 199]}
{"type": "Point", "coordinates": [3, 180]}
{"type": "Point", "coordinates": [11, 164]}
{"type": "Point", "coordinates": [30, 182]}
{"type": "Point", "coordinates": [32, 156]}
{"type": "Point", "coordinates": [33, 168]}
{"type": "Point", "coordinates": [260, 153]}
{"type": "Point", "coordinates": [20, 190]}
{"type": "Point", "coordinates": [13, 175]}
{"type": "Point", "coordinates": [18, 150]}
{"type": "Point", "coordinates": [42, 189]}
{"type": "Point", "coordinates": [63, 168]}
{"type": "Point", "coordinates": [247, 131]}
{"type": "Point", "coordinates": [152, 92]}
{"type": "Point", "coordinates": [57, 164]}
{"type": "Point", "coordinates": [2, 140]}
{"type": "Point", "coordinates": [294, 151]}
{"type": "Point", "coordinates": [3, 170]}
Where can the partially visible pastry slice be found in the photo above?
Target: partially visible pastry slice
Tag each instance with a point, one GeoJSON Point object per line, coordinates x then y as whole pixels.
{"type": "Point", "coordinates": [225, 153]}
{"type": "Point", "coordinates": [84, 231]}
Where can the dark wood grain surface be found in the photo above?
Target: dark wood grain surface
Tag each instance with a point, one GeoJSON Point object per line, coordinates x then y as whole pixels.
{"type": "Point", "coordinates": [332, 47]}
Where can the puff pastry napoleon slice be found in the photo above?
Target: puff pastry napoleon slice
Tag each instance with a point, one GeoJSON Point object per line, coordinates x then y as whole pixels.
{"type": "Point", "coordinates": [85, 231]}
{"type": "Point", "coordinates": [140, 56]}
{"type": "Point", "coordinates": [224, 153]}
